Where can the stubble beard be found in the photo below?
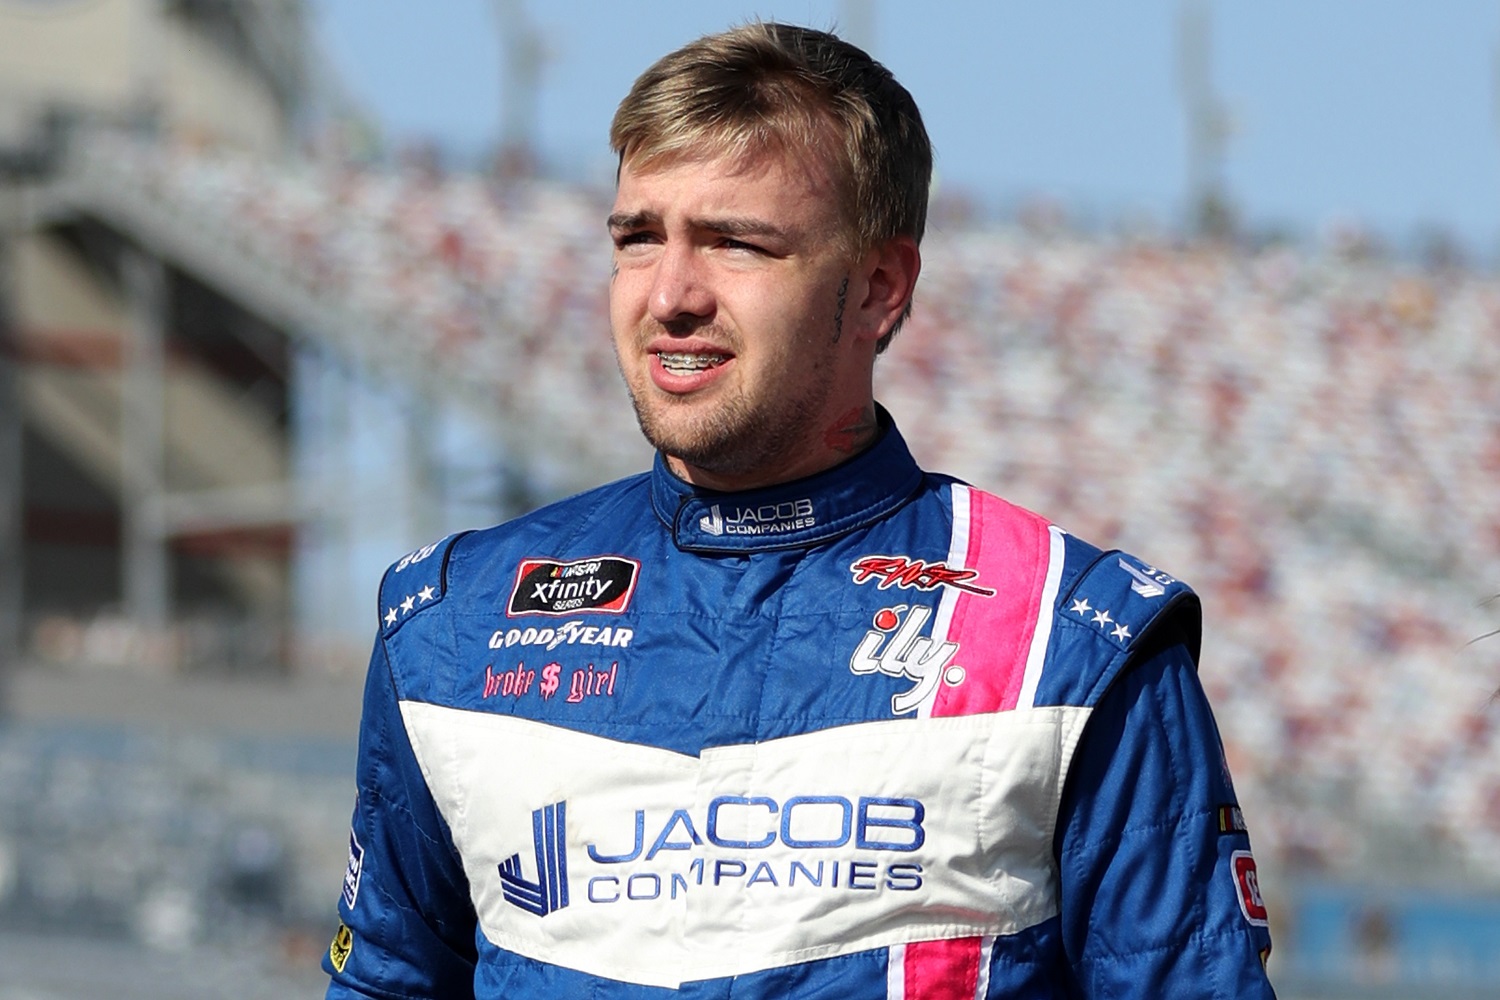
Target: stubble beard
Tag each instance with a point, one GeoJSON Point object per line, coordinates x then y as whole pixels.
{"type": "Point", "coordinates": [739, 434]}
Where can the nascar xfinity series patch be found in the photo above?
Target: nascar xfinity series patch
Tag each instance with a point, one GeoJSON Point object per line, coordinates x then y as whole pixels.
{"type": "Point", "coordinates": [549, 587]}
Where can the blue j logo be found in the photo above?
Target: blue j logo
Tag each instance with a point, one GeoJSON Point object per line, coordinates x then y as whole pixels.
{"type": "Point", "coordinates": [549, 837]}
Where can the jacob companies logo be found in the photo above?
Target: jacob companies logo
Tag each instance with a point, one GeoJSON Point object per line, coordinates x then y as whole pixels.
{"type": "Point", "coordinates": [549, 837]}
{"type": "Point", "coordinates": [766, 519]}
{"type": "Point", "coordinates": [755, 843]}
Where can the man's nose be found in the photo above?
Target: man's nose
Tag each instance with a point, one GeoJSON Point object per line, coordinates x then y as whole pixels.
{"type": "Point", "coordinates": [680, 288]}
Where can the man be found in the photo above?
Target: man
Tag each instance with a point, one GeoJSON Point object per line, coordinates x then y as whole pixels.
{"type": "Point", "coordinates": [787, 716]}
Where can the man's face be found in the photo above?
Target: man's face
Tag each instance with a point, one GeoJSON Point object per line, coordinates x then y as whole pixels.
{"type": "Point", "coordinates": [727, 305]}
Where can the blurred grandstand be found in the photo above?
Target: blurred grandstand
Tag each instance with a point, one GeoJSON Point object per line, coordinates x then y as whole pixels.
{"type": "Point", "coordinates": [241, 379]}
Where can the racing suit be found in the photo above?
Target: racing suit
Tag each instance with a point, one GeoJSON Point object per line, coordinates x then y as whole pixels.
{"type": "Point", "coordinates": [870, 734]}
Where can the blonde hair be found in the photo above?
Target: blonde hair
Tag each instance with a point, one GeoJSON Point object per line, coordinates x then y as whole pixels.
{"type": "Point", "coordinates": [773, 86]}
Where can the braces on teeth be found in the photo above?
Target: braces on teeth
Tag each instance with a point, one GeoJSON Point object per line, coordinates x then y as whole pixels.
{"type": "Point", "coordinates": [694, 362]}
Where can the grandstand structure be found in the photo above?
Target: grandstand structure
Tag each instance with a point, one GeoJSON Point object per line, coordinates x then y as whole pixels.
{"type": "Point", "coordinates": [194, 399]}
{"type": "Point", "coordinates": [131, 379]}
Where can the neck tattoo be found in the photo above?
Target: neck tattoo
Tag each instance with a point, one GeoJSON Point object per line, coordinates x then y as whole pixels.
{"type": "Point", "coordinates": [838, 314]}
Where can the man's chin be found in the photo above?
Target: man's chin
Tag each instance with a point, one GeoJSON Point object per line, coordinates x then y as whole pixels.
{"type": "Point", "coordinates": [672, 423]}
{"type": "Point", "coordinates": [696, 451]}
{"type": "Point", "coordinates": [696, 446]}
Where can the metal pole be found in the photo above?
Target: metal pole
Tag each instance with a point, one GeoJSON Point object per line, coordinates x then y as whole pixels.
{"type": "Point", "coordinates": [524, 60]}
{"type": "Point", "coordinates": [324, 606]}
{"type": "Point", "coordinates": [427, 485]}
{"type": "Point", "coordinates": [1207, 120]}
{"type": "Point", "coordinates": [147, 571]}
{"type": "Point", "coordinates": [12, 488]}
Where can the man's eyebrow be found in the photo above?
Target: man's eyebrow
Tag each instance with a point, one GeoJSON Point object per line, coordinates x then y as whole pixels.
{"type": "Point", "coordinates": [633, 220]}
{"type": "Point", "coordinates": [743, 227]}
{"type": "Point", "coordinates": [733, 226]}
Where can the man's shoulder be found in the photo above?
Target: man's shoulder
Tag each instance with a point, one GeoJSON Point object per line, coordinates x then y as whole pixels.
{"type": "Point", "coordinates": [1116, 591]}
{"type": "Point", "coordinates": [1127, 580]}
{"type": "Point", "coordinates": [1114, 609]}
{"type": "Point", "coordinates": [481, 564]}
{"type": "Point", "coordinates": [1097, 609]}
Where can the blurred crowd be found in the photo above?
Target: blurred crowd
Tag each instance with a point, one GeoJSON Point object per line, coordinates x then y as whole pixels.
{"type": "Point", "coordinates": [1312, 439]}
{"type": "Point", "coordinates": [1309, 436]}
{"type": "Point", "coordinates": [189, 845]}
{"type": "Point", "coordinates": [501, 286]}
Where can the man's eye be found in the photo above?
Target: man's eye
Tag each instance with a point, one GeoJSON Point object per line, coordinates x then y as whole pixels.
{"type": "Point", "coordinates": [624, 240]}
{"type": "Point", "coordinates": [741, 245]}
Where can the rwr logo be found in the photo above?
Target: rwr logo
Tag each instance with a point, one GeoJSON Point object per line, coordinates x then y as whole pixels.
{"type": "Point", "coordinates": [549, 839]}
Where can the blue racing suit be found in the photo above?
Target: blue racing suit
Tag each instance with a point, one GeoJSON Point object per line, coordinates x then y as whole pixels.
{"type": "Point", "coordinates": [870, 734]}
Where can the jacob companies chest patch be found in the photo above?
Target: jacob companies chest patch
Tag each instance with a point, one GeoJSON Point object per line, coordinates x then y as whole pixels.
{"type": "Point", "coordinates": [597, 584]}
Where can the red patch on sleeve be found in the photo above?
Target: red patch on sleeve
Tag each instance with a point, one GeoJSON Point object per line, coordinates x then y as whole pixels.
{"type": "Point", "coordinates": [1247, 887]}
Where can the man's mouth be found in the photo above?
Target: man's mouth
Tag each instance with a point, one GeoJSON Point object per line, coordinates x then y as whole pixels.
{"type": "Point", "coordinates": [679, 363]}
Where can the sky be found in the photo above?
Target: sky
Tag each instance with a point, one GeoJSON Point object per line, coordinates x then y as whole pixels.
{"type": "Point", "coordinates": [1380, 113]}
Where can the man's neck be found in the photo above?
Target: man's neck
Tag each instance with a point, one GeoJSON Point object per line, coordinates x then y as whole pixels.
{"type": "Point", "coordinates": [852, 433]}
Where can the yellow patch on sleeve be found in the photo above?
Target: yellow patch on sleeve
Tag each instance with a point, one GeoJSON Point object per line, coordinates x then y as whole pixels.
{"type": "Point", "coordinates": [343, 944]}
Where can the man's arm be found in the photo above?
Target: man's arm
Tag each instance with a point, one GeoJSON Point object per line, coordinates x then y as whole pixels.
{"type": "Point", "coordinates": [408, 926]}
{"type": "Point", "coordinates": [1159, 892]}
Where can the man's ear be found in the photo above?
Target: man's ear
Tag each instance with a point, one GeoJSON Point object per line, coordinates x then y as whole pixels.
{"type": "Point", "coordinates": [890, 271]}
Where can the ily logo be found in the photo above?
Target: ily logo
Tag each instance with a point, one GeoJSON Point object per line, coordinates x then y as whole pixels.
{"type": "Point", "coordinates": [713, 521]}
{"type": "Point", "coordinates": [549, 841]}
{"type": "Point", "coordinates": [906, 653]}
